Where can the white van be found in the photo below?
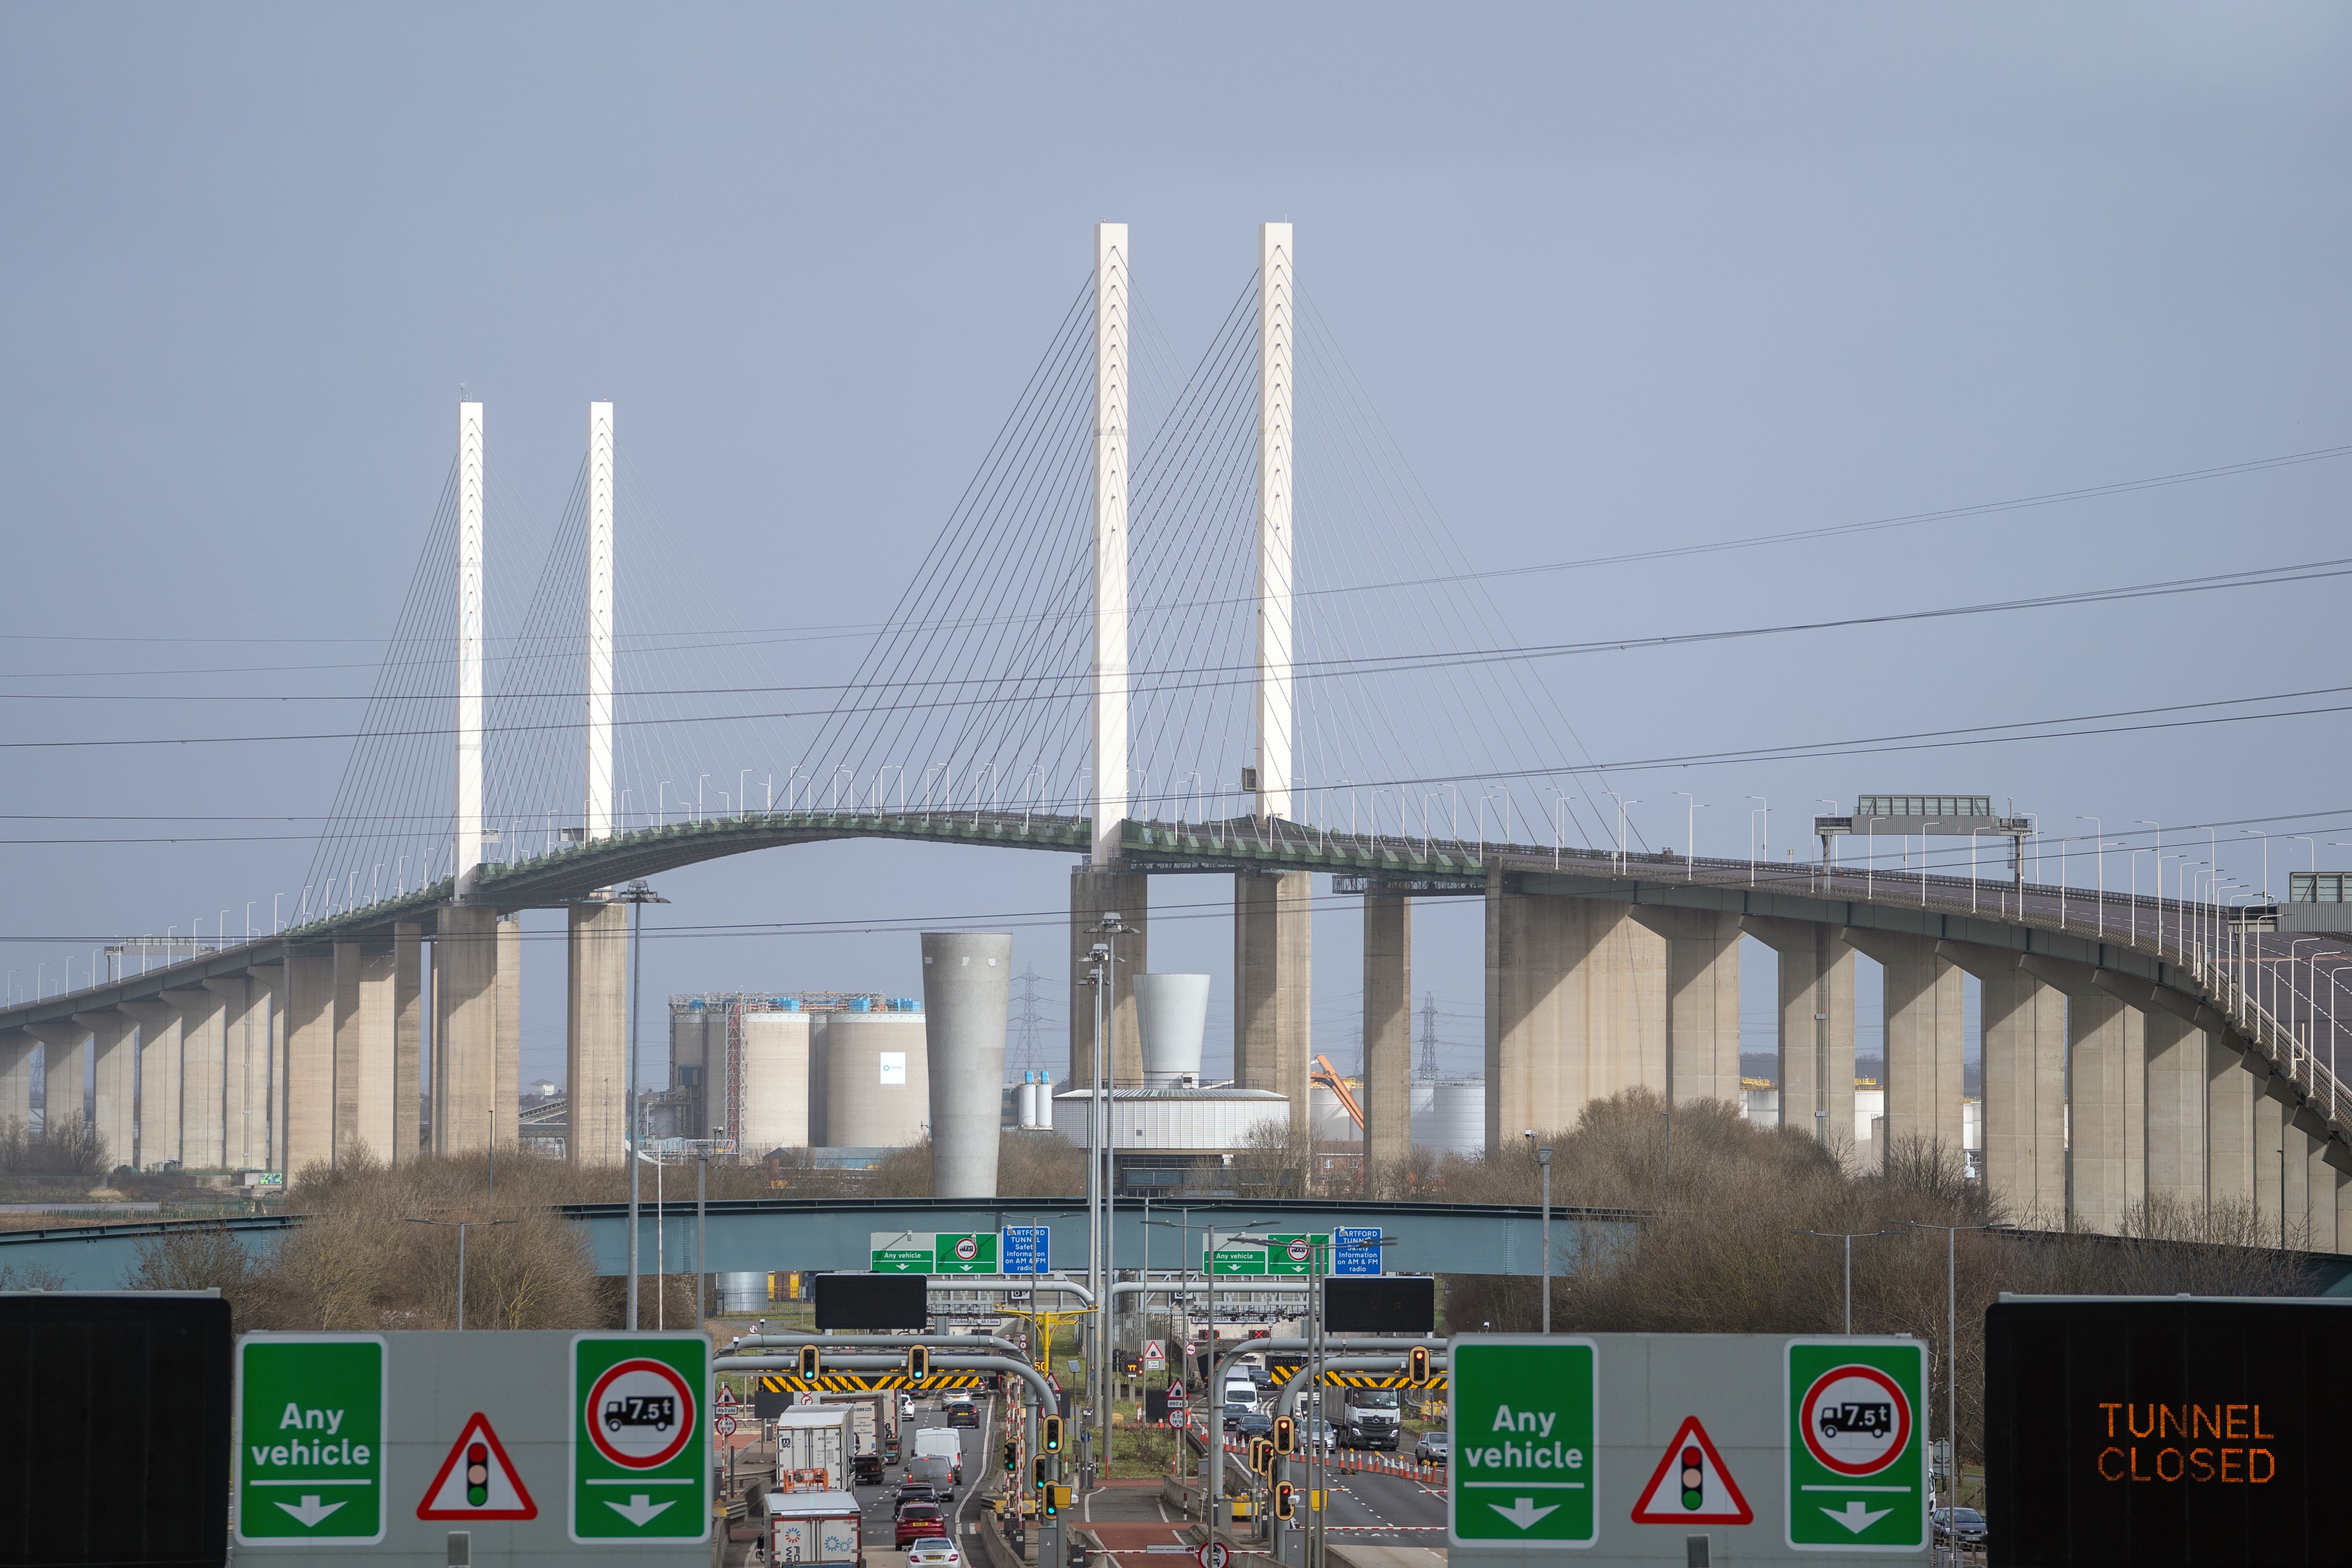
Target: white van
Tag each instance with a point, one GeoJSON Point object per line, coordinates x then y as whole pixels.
{"type": "Point", "coordinates": [1241, 1396]}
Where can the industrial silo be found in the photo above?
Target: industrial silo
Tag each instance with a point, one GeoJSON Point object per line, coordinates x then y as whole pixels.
{"type": "Point", "coordinates": [873, 1079]}
{"type": "Point", "coordinates": [775, 1080]}
{"type": "Point", "coordinates": [1171, 1011]}
{"type": "Point", "coordinates": [967, 995]}
{"type": "Point", "coordinates": [698, 1044]}
{"type": "Point", "coordinates": [1449, 1115]}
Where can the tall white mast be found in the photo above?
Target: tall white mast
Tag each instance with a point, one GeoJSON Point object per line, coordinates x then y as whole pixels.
{"type": "Point", "coordinates": [598, 816]}
{"type": "Point", "coordinates": [470, 646]}
{"type": "Point", "coordinates": [1110, 803]}
{"type": "Point", "coordinates": [1275, 383]}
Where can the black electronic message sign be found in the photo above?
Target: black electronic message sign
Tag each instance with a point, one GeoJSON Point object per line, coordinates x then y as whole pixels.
{"type": "Point", "coordinates": [2167, 1429]}
{"type": "Point", "coordinates": [872, 1303]}
{"type": "Point", "coordinates": [1380, 1303]}
{"type": "Point", "coordinates": [114, 1432]}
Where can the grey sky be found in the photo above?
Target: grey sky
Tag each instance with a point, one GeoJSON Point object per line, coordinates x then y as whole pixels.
{"type": "Point", "coordinates": [1615, 277]}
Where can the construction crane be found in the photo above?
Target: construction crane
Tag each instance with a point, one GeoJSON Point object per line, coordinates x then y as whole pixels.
{"type": "Point", "coordinates": [1328, 1076]}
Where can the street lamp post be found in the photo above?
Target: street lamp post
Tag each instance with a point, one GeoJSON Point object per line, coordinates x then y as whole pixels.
{"type": "Point", "coordinates": [1951, 1340]}
{"type": "Point", "coordinates": [1849, 1238]}
{"type": "Point", "coordinates": [459, 1226]}
{"type": "Point", "coordinates": [637, 894]}
{"type": "Point", "coordinates": [1690, 834]}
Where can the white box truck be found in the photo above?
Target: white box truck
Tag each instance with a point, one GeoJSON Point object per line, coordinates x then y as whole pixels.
{"type": "Point", "coordinates": [814, 1527]}
{"type": "Point", "coordinates": [814, 1443]}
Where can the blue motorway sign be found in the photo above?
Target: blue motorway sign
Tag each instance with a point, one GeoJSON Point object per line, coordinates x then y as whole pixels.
{"type": "Point", "coordinates": [1026, 1249]}
{"type": "Point", "coordinates": [1356, 1250]}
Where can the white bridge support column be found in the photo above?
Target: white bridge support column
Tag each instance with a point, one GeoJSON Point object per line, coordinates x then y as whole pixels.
{"type": "Point", "coordinates": [365, 1015]}
{"type": "Point", "coordinates": [264, 1094]}
{"type": "Point", "coordinates": [2106, 1056]}
{"type": "Point", "coordinates": [1276, 381]}
{"type": "Point", "coordinates": [1576, 1008]}
{"type": "Point", "coordinates": [1702, 1001]}
{"type": "Point", "coordinates": [1388, 1030]}
{"type": "Point", "coordinates": [17, 1047]}
{"type": "Point", "coordinates": [595, 1031]}
{"type": "Point", "coordinates": [1274, 957]}
{"type": "Point", "coordinates": [61, 1073]}
{"type": "Point", "coordinates": [2024, 1023]}
{"type": "Point", "coordinates": [203, 1055]}
{"type": "Point", "coordinates": [1109, 806]}
{"type": "Point", "coordinates": [309, 1115]}
{"type": "Point", "coordinates": [505, 1058]}
{"type": "Point", "coordinates": [1816, 988]}
{"type": "Point", "coordinates": [2175, 1103]}
{"type": "Point", "coordinates": [113, 1073]}
{"type": "Point", "coordinates": [465, 1028]}
{"type": "Point", "coordinates": [407, 1041]}
{"type": "Point", "coordinates": [1924, 1040]}
{"type": "Point", "coordinates": [159, 1082]}
{"type": "Point", "coordinates": [2230, 1094]}
{"type": "Point", "coordinates": [244, 1048]}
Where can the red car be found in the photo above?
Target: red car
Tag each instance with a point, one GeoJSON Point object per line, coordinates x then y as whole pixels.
{"type": "Point", "coordinates": [919, 1521]}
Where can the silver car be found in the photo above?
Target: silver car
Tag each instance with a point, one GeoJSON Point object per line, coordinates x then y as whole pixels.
{"type": "Point", "coordinates": [1434, 1448]}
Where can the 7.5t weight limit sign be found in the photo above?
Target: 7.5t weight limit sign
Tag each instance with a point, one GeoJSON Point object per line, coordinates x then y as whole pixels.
{"type": "Point", "coordinates": [1857, 1472]}
{"type": "Point", "coordinates": [640, 1465]}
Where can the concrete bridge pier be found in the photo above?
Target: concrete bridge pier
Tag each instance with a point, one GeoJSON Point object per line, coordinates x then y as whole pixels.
{"type": "Point", "coordinates": [1701, 1001]}
{"type": "Point", "coordinates": [265, 1091]}
{"type": "Point", "coordinates": [363, 1051]}
{"type": "Point", "coordinates": [1577, 1005]}
{"type": "Point", "coordinates": [2106, 1056]}
{"type": "Point", "coordinates": [61, 1072]}
{"type": "Point", "coordinates": [2024, 1025]}
{"type": "Point", "coordinates": [245, 1040]}
{"type": "Point", "coordinates": [466, 949]}
{"type": "Point", "coordinates": [309, 1110]}
{"type": "Point", "coordinates": [2269, 1157]}
{"type": "Point", "coordinates": [114, 1071]}
{"type": "Point", "coordinates": [596, 1032]}
{"type": "Point", "coordinates": [1093, 893]}
{"type": "Point", "coordinates": [17, 1047]}
{"type": "Point", "coordinates": [506, 1086]}
{"type": "Point", "coordinates": [202, 1062]}
{"type": "Point", "coordinates": [1273, 987]}
{"type": "Point", "coordinates": [159, 1082]}
{"type": "Point", "coordinates": [1388, 1029]}
{"type": "Point", "coordinates": [2230, 1094]}
{"type": "Point", "coordinates": [1816, 1028]}
{"type": "Point", "coordinates": [1923, 1041]}
{"type": "Point", "coordinates": [407, 1041]}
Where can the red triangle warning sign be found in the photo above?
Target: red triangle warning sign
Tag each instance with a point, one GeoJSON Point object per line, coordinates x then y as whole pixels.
{"type": "Point", "coordinates": [1691, 1485]}
{"type": "Point", "coordinates": [478, 1480]}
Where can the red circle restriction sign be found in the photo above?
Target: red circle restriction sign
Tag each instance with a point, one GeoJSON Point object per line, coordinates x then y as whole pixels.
{"type": "Point", "coordinates": [1215, 1554]}
{"type": "Point", "coordinates": [1298, 1250]}
{"type": "Point", "coordinates": [724, 1426]}
{"type": "Point", "coordinates": [966, 1248]}
{"type": "Point", "coordinates": [1856, 1419]}
{"type": "Point", "coordinates": [640, 1414]}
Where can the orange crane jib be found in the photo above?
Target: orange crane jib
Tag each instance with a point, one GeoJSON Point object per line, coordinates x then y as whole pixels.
{"type": "Point", "coordinates": [1328, 1076]}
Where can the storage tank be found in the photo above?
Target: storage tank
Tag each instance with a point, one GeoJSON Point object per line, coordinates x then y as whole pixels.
{"type": "Point", "coordinates": [740, 1293]}
{"type": "Point", "coordinates": [1330, 1119]}
{"type": "Point", "coordinates": [1171, 1011]}
{"type": "Point", "coordinates": [775, 1081]}
{"type": "Point", "coordinates": [1449, 1114]}
{"type": "Point", "coordinates": [694, 1028]}
{"type": "Point", "coordinates": [873, 1079]}
{"type": "Point", "coordinates": [966, 996]}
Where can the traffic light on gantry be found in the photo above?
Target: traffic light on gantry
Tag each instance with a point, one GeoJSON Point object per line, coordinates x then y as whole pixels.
{"type": "Point", "coordinates": [918, 1362]}
{"type": "Point", "coordinates": [1049, 1433]}
{"type": "Point", "coordinates": [809, 1361]}
{"type": "Point", "coordinates": [1285, 1436]}
{"type": "Point", "coordinates": [1285, 1500]}
{"type": "Point", "coordinates": [1417, 1366]}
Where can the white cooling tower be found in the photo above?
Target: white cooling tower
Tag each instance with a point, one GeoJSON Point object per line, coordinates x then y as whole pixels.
{"type": "Point", "coordinates": [873, 1084]}
{"type": "Point", "coordinates": [1170, 1012]}
{"type": "Point", "coordinates": [967, 997]}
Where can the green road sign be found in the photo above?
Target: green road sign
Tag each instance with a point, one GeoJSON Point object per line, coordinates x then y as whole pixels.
{"type": "Point", "coordinates": [1856, 1427]}
{"type": "Point", "coordinates": [640, 1470]}
{"type": "Point", "coordinates": [309, 1439]}
{"type": "Point", "coordinates": [963, 1254]}
{"type": "Point", "coordinates": [1525, 1431]}
{"type": "Point", "coordinates": [905, 1251]}
{"type": "Point", "coordinates": [1290, 1254]}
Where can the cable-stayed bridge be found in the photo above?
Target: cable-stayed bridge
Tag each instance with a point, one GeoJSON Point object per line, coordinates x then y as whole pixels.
{"type": "Point", "coordinates": [1133, 643]}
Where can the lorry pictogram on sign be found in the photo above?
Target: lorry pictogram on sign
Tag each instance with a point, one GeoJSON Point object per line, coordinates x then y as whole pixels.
{"type": "Point", "coordinates": [478, 1480]}
{"type": "Point", "coordinates": [1692, 1485]}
